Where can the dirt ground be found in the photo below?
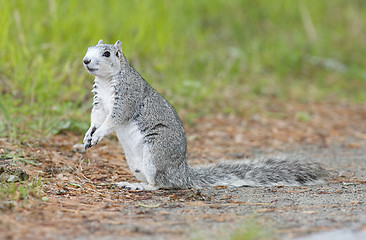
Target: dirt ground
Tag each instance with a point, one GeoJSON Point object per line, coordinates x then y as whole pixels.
{"type": "Point", "coordinates": [82, 204]}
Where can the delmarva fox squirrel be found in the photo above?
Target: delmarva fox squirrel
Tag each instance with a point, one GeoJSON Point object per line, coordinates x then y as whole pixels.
{"type": "Point", "coordinates": [154, 140]}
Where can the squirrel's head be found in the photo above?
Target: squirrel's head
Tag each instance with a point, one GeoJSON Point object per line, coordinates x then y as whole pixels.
{"type": "Point", "coordinates": [104, 60]}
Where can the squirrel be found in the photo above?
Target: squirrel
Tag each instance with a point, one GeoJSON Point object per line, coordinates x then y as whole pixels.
{"type": "Point", "coordinates": [154, 140]}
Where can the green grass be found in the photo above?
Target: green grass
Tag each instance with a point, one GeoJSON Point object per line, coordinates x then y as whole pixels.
{"type": "Point", "coordinates": [23, 190]}
{"type": "Point", "coordinates": [248, 230]}
{"type": "Point", "coordinates": [251, 231]}
{"type": "Point", "coordinates": [17, 187]}
{"type": "Point", "coordinates": [18, 194]}
{"type": "Point", "coordinates": [203, 56]}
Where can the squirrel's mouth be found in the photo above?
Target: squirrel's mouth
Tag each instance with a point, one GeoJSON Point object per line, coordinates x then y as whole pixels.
{"type": "Point", "coordinates": [91, 69]}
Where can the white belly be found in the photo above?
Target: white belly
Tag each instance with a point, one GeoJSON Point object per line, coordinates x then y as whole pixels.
{"type": "Point", "coordinates": [105, 94]}
{"type": "Point", "coordinates": [131, 139]}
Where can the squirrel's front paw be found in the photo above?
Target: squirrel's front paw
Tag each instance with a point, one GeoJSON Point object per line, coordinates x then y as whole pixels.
{"type": "Point", "coordinates": [88, 137]}
{"type": "Point", "coordinates": [96, 137]}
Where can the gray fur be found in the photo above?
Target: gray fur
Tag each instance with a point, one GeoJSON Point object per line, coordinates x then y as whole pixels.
{"type": "Point", "coordinates": [154, 139]}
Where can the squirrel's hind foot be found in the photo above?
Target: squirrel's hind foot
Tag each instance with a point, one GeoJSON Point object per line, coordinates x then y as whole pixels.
{"type": "Point", "coordinates": [135, 186]}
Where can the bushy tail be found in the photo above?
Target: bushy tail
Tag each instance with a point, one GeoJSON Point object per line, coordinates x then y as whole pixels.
{"type": "Point", "coordinates": [262, 171]}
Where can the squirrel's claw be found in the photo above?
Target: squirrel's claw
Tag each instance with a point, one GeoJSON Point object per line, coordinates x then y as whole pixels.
{"type": "Point", "coordinates": [86, 146]}
{"type": "Point", "coordinates": [87, 142]}
{"type": "Point", "coordinates": [88, 137]}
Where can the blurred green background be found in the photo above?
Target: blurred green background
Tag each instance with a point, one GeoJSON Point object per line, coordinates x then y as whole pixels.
{"type": "Point", "coordinates": [203, 56]}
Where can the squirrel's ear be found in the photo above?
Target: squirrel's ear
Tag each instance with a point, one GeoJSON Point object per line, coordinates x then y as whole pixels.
{"type": "Point", "coordinates": [118, 45]}
{"type": "Point", "coordinates": [100, 41]}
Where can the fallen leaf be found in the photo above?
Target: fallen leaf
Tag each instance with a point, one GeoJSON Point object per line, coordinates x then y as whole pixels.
{"type": "Point", "coordinates": [148, 206]}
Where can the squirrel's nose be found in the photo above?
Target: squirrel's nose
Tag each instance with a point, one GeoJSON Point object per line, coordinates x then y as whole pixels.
{"type": "Point", "coordinates": [86, 61]}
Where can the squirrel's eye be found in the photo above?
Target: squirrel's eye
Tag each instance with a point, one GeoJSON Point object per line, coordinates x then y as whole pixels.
{"type": "Point", "coordinates": [106, 54]}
